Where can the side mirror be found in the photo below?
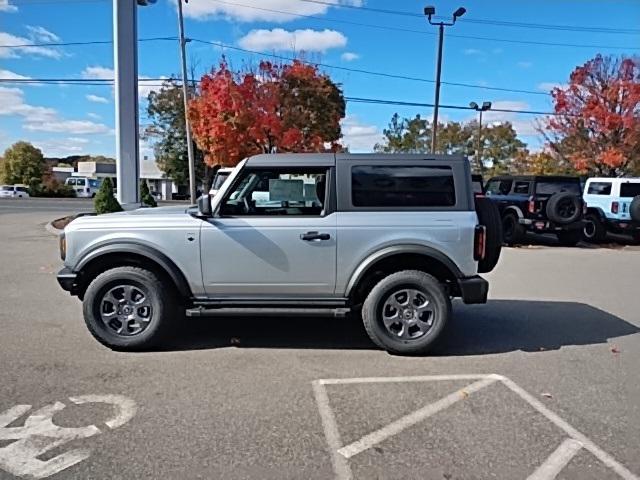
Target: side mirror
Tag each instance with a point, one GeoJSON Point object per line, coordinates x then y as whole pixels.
{"type": "Point", "coordinates": [204, 205]}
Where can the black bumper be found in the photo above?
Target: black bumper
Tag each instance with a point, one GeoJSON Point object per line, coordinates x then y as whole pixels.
{"type": "Point", "coordinates": [547, 226]}
{"type": "Point", "coordinates": [473, 289]}
{"type": "Point", "coordinates": [67, 279]}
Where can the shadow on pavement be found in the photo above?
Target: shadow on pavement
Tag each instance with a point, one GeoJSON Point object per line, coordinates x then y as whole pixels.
{"type": "Point", "coordinates": [500, 326]}
{"type": "Point", "coordinates": [612, 242]}
{"type": "Point", "coordinates": [532, 326]}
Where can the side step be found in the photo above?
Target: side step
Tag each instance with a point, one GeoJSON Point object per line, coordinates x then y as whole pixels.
{"type": "Point", "coordinates": [267, 312]}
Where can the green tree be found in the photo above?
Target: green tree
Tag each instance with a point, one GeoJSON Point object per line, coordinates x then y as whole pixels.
{"type": "Point", "coordinates": [23, 163]}
{"type": "Point", "coordinates": [166, 111]}
{"type": "Point", "coordinates": [105, 201]}
{"type": "Point", "coordinates": [499, 142]}
{"type": "Point", "coordinates": [145, 195]}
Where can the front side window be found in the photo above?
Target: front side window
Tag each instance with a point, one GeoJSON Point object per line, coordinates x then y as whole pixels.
{"type": "Point", "coordinates": [299, 191]}
{"type": "Point", "coordinates": [599, 188]}
{"type": "Point", "coordinates": [94, 183]}
{"type": "Point", "coordinates": [629, 189]}
{"type": "Point", "coordinates": [402, 186]}
{"type": "Point", "coordinates": [521, 187]}
{"type": "Point", "coordinates": [499, 187]}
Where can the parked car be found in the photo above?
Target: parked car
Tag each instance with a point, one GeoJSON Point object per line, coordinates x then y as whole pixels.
{"type": "Point", "coordinates": [83, 186]}
{"type": "Point", "coordinates": [539, 204]}
{"type": "Point", "coordinates": [613, 205]}
{"type": "Point", "coordinates": [221, 176]}
{"type": "Point", "coordinates": [14, 191]}
{"type": "Point", "coordinates": [392, 237]}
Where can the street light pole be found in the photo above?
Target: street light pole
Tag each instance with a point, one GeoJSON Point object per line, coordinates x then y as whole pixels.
{"type": "Point", "coordinates": [429, 12]}
{"type": "Point", "coordinates": [185, 95]}
{"type": "Point", "coordinates": [483, 108]}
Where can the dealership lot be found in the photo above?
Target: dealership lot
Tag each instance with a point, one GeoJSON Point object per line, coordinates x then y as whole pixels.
{"type": "Point", "coordinates": [238, 398]}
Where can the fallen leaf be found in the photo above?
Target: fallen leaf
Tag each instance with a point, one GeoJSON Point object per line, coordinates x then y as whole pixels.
{"type": "Point", "coordinates": [615, 349]}
{"type": "Point", "coordinates": [464, 394]}
{"type": "Point", "coordinates": [546, 395]}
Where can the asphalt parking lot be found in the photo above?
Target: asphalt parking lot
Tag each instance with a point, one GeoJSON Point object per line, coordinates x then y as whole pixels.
{"type": "Point", "coordinates": [540, 383]}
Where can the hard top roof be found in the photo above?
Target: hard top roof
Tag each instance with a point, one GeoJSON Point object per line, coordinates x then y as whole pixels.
{"type": "Point", "coordinates": [330, 159]}
{"type": "Point", "coordinates": [531, 178]}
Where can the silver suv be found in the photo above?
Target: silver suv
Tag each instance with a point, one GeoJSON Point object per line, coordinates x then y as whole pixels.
{"type": "Point", "coordinates": [390, 237]}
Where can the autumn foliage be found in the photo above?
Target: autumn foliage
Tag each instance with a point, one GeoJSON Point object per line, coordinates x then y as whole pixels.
{"type": "Point", "coordinates": [278, 108]}
{"type": "Point", "coordinates": [597, 126]}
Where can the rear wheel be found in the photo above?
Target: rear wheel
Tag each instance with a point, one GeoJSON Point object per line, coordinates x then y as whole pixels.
{"type": "Point", "coordinates": [406, 312]}
{"type": "Point", "coordinates": [129, 308]}
{"type": "Point", "coordinates": [512, 231]}
{"type": "Point", "coordinates": [569, 238]}
{"type": "Point", "coordinates": [594, 230]}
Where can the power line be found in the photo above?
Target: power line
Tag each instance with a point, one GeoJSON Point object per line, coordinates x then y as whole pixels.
{"type": "Point", "coordinates": [88, 42]}
{"type": "Point", "coordinates": [502, 23]}
{"type": "Point", "coordinates": [423, 32]}
{"type": "Point", "coordinates": [146, 82]}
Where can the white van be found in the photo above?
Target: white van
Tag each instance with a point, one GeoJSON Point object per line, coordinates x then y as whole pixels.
{"type": "Point", "coordinates": [84, 187]}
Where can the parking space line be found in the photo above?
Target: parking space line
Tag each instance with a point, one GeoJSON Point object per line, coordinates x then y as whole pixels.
{"type": "Point", "coordinates": [340, 466]}
{"type": "Point", "coordinates": [600, 454]}
{"type": "Point", "coordinates": [418, 378]}
{"type": "Point", "coordinates": [407, 421]}
{"type": "Point", "coordinates": [557, 460]}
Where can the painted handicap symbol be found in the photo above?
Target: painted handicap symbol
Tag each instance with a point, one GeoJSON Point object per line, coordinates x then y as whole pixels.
{"type": "Point", "coordinates": [40, 435]}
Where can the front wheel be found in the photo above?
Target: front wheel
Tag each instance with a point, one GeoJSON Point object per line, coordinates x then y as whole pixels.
{"type": "Point", "coordinates": [129, 308]}
{"type": "Point", "coordinates": [406, 312]}
{"type": "Point", "coordinates": [512, 231]}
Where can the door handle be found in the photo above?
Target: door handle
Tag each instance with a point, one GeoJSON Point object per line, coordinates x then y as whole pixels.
{"type": "Point", "coordinates": [314, 236]}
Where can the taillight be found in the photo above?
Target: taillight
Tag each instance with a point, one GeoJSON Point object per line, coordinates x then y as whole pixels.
{"type": "Point", "coordinates": [479, 242]}
{"type": "Point", "coordinates": [615, 206]}
{"type": "Point", "coordinates": [532, 205]}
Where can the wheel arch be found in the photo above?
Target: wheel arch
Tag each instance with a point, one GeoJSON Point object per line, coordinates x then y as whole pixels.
{"type": "Point", "coordinates": [597, 211]}
{"type": "Point", "coordinates": [401, 257]}
{"type": "Point", "coordinates": [513, 209]}
{"type": "Point", "coordinates": [119, 254]}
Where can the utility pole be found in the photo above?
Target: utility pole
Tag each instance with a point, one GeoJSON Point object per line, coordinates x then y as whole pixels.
{"type": "Point", "coordinates": [485, 106]}
{"type": "Point", "coordinates": [429, 12]}
{"type": "Point", "coordinates": [185, 95]}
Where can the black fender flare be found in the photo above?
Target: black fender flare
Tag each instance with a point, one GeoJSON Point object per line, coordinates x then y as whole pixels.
{"type": "Point", "coordinates": [598, 211]}
{"type": "Point", "coordinates": [514, 209]}
{"type": "Point", "coordinates": [159, 258]}
{"type": "Point", "coordinates": [373, 258]}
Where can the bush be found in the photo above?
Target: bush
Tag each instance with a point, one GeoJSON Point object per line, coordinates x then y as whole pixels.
{"type": "Point", "coordinates": [145, 195]}
{"type": "Point", "coordinates": [53, 188]}
{"type": "Point", "coordinates": [105, 201]}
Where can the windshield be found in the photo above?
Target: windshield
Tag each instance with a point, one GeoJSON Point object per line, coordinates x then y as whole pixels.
{"type": "Point", "coordinates": [630, 189]}
{"type": "Point", "coordinates": [219, 180]}
{"type": "Point", "coordinates": [549, 187]}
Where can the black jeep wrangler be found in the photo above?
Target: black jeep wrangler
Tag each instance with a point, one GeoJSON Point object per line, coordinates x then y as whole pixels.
{"type": "Point", "coordinates": [539, 204]}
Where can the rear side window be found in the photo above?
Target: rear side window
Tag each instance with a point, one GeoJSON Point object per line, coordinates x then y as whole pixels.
{"type": "Point", "coordinates": [402, 186]}
{"type": "Point", "coordinates": [81, 182]}
{"type": "Point", "coordinates": [599, 188]}
{"type": "Point", "coordinates": [521, 188]}
{"type": "Point", "coordinates": [549, 187]}
{"type": "Point", "coordinates": [499, 187]}
{"type": "Point", "coordinates": [629, 189]}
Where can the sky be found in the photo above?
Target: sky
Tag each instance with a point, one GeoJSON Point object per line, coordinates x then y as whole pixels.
{"type": "Point", "coordinates": [505, 51]}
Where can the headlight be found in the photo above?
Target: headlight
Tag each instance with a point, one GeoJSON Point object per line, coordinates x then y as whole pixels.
{"type": "Point", "coordinates": [63, 246]}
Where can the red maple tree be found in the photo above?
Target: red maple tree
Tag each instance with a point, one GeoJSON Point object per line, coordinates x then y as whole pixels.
{"type": "Point", "coordinates": [280, 107]}
{"type": "Point", "coordinates": [597, 121]}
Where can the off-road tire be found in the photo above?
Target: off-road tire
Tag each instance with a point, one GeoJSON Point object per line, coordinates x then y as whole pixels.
{"type": "Point", "coordinates": [564, 208]}
{"type": "Point", "coordinates": [594, 231]}
{"type": "Point", "coordinates": [512, 231]}
{"type": "Point", "coordinates": [161, 298]}
{"type": "Point", "coordinates": [489, 216]}
{"type": "Point", "coordinates": [634, 209]}
{"type": "Point", "coordinates": [394, 283]}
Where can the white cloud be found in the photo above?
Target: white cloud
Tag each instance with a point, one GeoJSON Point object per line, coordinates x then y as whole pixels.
{"type": "Point", "coordinates": [358, 136]}
{"type": "Point", "coordinates": [349, 56]}
{"type": "Point", "coordinates": [96, 98]}
{"type": "Point", "coordinates": [548, 86]}
{"type": "Point", "coordinates": [525, 64]}
{"type": "Point", "coordinates": [207, 9]}
{"type": "Point", "coordinates": [301, 40]}
{"type": "Point", "coordinates": [12, 75]}
{"type": "Point", "coordinates": [62, 147]}
{"type": "Point", "coordinates": [41, 34]}
{"type": "Point", "coordinates": [145, 86]}
{"type": "Point", "coordinates": [522, 124]}
{"type": "Point", "coordinates": [7, 49]}
{"type": "Point", "coordinates": [95, 116]}
{"type": "Point", "coordinates": [472, 51]}
{"type": "Point", "coordinates": [43, 119]}
{"type": "Point", "coordinates": [6, 7]}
